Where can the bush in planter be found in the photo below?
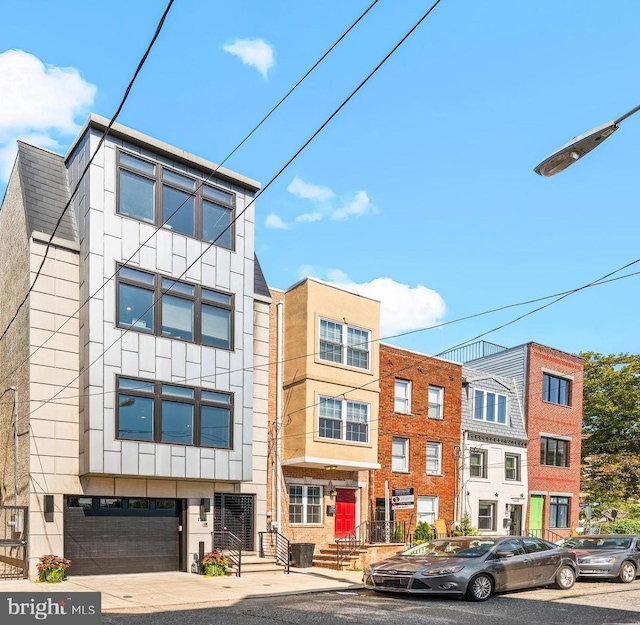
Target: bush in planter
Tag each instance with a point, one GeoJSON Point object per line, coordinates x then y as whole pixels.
{"type": "Point", "coordinates": [51, 568]}
{"type": "Point", "coordinates": [422, 533]}
{"type": "Point", "coordinates": [214, 563]}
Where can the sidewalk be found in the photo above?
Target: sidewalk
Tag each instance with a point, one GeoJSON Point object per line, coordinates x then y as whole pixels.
{"type": "Point", "coordinates": [155, 592]}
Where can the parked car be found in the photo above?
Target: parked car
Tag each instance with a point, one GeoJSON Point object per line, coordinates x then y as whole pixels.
{"type": "Point", "coordinates": [616, 556]}
{"type": "Point", "coordinates": [474, 567]}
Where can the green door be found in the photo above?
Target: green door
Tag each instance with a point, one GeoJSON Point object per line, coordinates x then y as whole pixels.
{"type": "Point", "coordinates": [536, 506]}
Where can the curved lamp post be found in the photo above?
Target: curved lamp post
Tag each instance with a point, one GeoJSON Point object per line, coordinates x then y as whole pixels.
{"type": "Point", "coordinates": [579, 146]}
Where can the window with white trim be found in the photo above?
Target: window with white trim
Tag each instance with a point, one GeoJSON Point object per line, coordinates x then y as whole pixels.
{"type": "Point", "coordinates": [512, 467]}
{"type": "Point", "coordinates": [344, 344]}
{"type": "Point", "coordinates": [427, 509]}
{"type": "Point", "coordinates": [400, 454]}
{"type": "Point", "coordinates": [436, 395]}
{"type": "Point", "coordinates": [488, 406]}
{"type": "Point", "coordinates": [402, 399]}
{"type": "Point", "coordinates": [478, 463]}
{"type": "Point", "coordinates": [305, 504]}
{"type": "Point", "coordinates": [487, 515]}
{"type": "Point", "coordinates": [434, 458]}
{"type": "Point", "coordinates": [342, 419]}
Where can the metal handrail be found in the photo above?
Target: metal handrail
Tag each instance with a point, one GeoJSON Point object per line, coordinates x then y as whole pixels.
{"type": "Point", "coordinates": [277, 545]}
{"type": "Point", "coordinates": [349, 543]}
{"type": "Point", "coordinates": [231, 545]}
{"type": "Point", "coordinates": [545, 534]}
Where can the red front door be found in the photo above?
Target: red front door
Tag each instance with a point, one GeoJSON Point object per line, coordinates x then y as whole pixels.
{"type": "Point", "coordinates": [345, 511]}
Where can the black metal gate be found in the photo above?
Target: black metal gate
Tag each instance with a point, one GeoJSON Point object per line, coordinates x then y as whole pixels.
{"type": "Point", "coordinates": [13, 542]}
{"type": "Point", "coordinates": [235, 514]}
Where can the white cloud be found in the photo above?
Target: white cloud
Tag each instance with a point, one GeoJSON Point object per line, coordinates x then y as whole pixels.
{"type": "Point", "coordinates": [275, 222]}
{"type": "Point", "coordinates": [359, 205]}
{"type": "Point", "coordinates": [255, 52]}
{"type": "Point", "coordinates": [307, 191]}
{"type": "Point", "coordinates": [39, 104]}
{"type": "Point", "coordinates": [402, 308]}
{"type": "Point", "coordinates": [310, 217]}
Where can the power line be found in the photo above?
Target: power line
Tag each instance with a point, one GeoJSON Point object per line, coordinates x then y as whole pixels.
{"type": "Point", "coordinates": [86, 169]}
{"type": "Point", "coordinates": [271, 181]}
{"type": "Point", "coordinates": [424, 329]}
{"type": "Point", "coordinates": [199, 184]}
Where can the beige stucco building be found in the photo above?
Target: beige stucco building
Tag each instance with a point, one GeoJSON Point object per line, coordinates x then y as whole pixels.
{"type": "Point", "coordinates": [138, 363]}
{"type": "Point", "coordinates": [324, 410]}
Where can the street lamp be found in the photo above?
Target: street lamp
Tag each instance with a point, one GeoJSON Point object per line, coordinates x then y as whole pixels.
{"type": "Point", "coordinates": [579, 146]}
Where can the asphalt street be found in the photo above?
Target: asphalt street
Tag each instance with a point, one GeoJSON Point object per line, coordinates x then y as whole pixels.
{"type": "Point", "coordinates": [588, 603]}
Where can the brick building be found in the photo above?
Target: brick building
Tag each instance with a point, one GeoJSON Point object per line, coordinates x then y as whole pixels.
{"type": "Point", "coordinates": [550, 384]}
{"type": "Point", "coordinates": [418, 437]}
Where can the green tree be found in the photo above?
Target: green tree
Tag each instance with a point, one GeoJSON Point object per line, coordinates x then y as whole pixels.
{"type": "Point", "coordinates": [611, 428]}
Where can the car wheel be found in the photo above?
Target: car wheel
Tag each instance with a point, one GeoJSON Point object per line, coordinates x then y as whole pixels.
{"type": "Point", "coordinates": [565, 578]}
{"type": "Point", "coordinates": [480, 588]}
{"type": "Point", "coordinates": [627, 572]}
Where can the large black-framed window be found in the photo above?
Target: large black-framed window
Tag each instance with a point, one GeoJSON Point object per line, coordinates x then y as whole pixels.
{"type": "Point", "coordinates": [556, 390]}
{"type": "Point", "coordinates": [158, 305]}
{"type": "Point", "coordinates": [554, 452]}
{"type": "Point", "coordinates": [170, 413]}
{"type": "Point", "coordinates": [154, 193]}
{"type": "Point", "coordinates": [558, 511]}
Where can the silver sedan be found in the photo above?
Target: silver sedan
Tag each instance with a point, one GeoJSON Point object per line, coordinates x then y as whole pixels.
{"type": "Point", "coordinates": [614, 556]}
{"type": "Point", "coordinates": [474, 567]}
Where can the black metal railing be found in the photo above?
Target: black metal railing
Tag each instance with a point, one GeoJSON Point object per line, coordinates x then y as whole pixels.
{"type": "Point", "coordinates": [388, 532]}
{"type": "Point", "coordinates": [545, 534]}
{"type": "Point", "coordinates": [13, 542]}
{"type": "Point", "coordinates": [231, 546]}
{"type": "Point", "coordinates": [273, 544]}
{"type": "Point", "coordinates": [350, 543]}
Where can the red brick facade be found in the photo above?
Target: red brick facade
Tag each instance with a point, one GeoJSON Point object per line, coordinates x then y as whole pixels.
{"type": "Point", "coordinates": [544, 417]}
{"type": "Point", "coordinates": [422, 371]}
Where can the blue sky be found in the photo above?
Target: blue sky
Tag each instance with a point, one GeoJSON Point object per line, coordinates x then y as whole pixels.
{"type": "Point", "coordinates": [421, 192]}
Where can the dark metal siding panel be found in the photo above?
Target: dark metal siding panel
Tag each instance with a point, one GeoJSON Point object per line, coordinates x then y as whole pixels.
{"type": "Point", "coordinates": [107, 544]}
{"type": "Point", "coordinates": [259, 282]}
{"type": "Point", "coordinates": [46, 191]}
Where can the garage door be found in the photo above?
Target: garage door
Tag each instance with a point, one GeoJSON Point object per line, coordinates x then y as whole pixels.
{"type": "Point", "coordinates": [121, 535]}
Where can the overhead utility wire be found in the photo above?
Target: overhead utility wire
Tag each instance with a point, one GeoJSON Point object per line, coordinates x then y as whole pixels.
{"type": "Point", "coordinates": [84, 171]}
{"type": "Point", "coordinates": [413, 364]}
{"type": "Point", "coordinates": [273, 179]}
{"type": "Point", "coordinates": [424, 329]}
{"type": "Point", "coordinates": [199, 185]}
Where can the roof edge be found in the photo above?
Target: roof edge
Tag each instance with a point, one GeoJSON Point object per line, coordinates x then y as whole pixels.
{"type": "Point", "coordinates": [164, 149]}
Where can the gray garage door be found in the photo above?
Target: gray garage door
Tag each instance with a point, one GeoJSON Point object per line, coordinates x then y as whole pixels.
{"type": "Point", "coordinates": [105, 535]}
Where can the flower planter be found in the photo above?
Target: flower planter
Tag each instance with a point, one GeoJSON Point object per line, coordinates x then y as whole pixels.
{"type": "Point", "coordinates": [213, 570]}
{"type": "Point", "coordinates": [52, 576]}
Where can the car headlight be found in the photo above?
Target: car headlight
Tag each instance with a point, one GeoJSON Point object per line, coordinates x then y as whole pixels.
{"type": "Point", "coordinates": [446, 570]}
{"type": "Point", "coordinates": [599, 560]}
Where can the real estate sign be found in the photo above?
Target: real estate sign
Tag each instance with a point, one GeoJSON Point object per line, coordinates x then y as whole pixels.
{"type": "Point", "coordinates": [402, 498]}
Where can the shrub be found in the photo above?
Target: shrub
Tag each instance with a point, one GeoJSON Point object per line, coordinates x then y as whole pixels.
{"type": "Point", "coordinates": [624, 526]}
{"type": "Point", "coordinates": [422, 533]}
{"type": "Point", "coordinates": [464, 527]}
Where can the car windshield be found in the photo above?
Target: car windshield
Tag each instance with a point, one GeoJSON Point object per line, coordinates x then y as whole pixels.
{"type": "Point", "coordinates": [445, 548]}
{"type": "Point", "coordinates": [595, 542]}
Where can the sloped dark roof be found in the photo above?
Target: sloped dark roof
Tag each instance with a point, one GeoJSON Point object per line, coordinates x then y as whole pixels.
{"type": "Point", "coordinates": [259, 283]}
{"type": "Point", "coordinates": [45, 188]}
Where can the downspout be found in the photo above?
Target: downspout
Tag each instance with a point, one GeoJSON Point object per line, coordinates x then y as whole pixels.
{"type": "Point", "coordinates": [463, 482]}
{"type": "Point", "coordinates": [15, 445]}
{"type": "Point", "coordinates": [279, 365]}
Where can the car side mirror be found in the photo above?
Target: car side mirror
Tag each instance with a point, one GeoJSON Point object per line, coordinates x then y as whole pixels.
{"type": "Point", "coordinates": [504, 553]}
